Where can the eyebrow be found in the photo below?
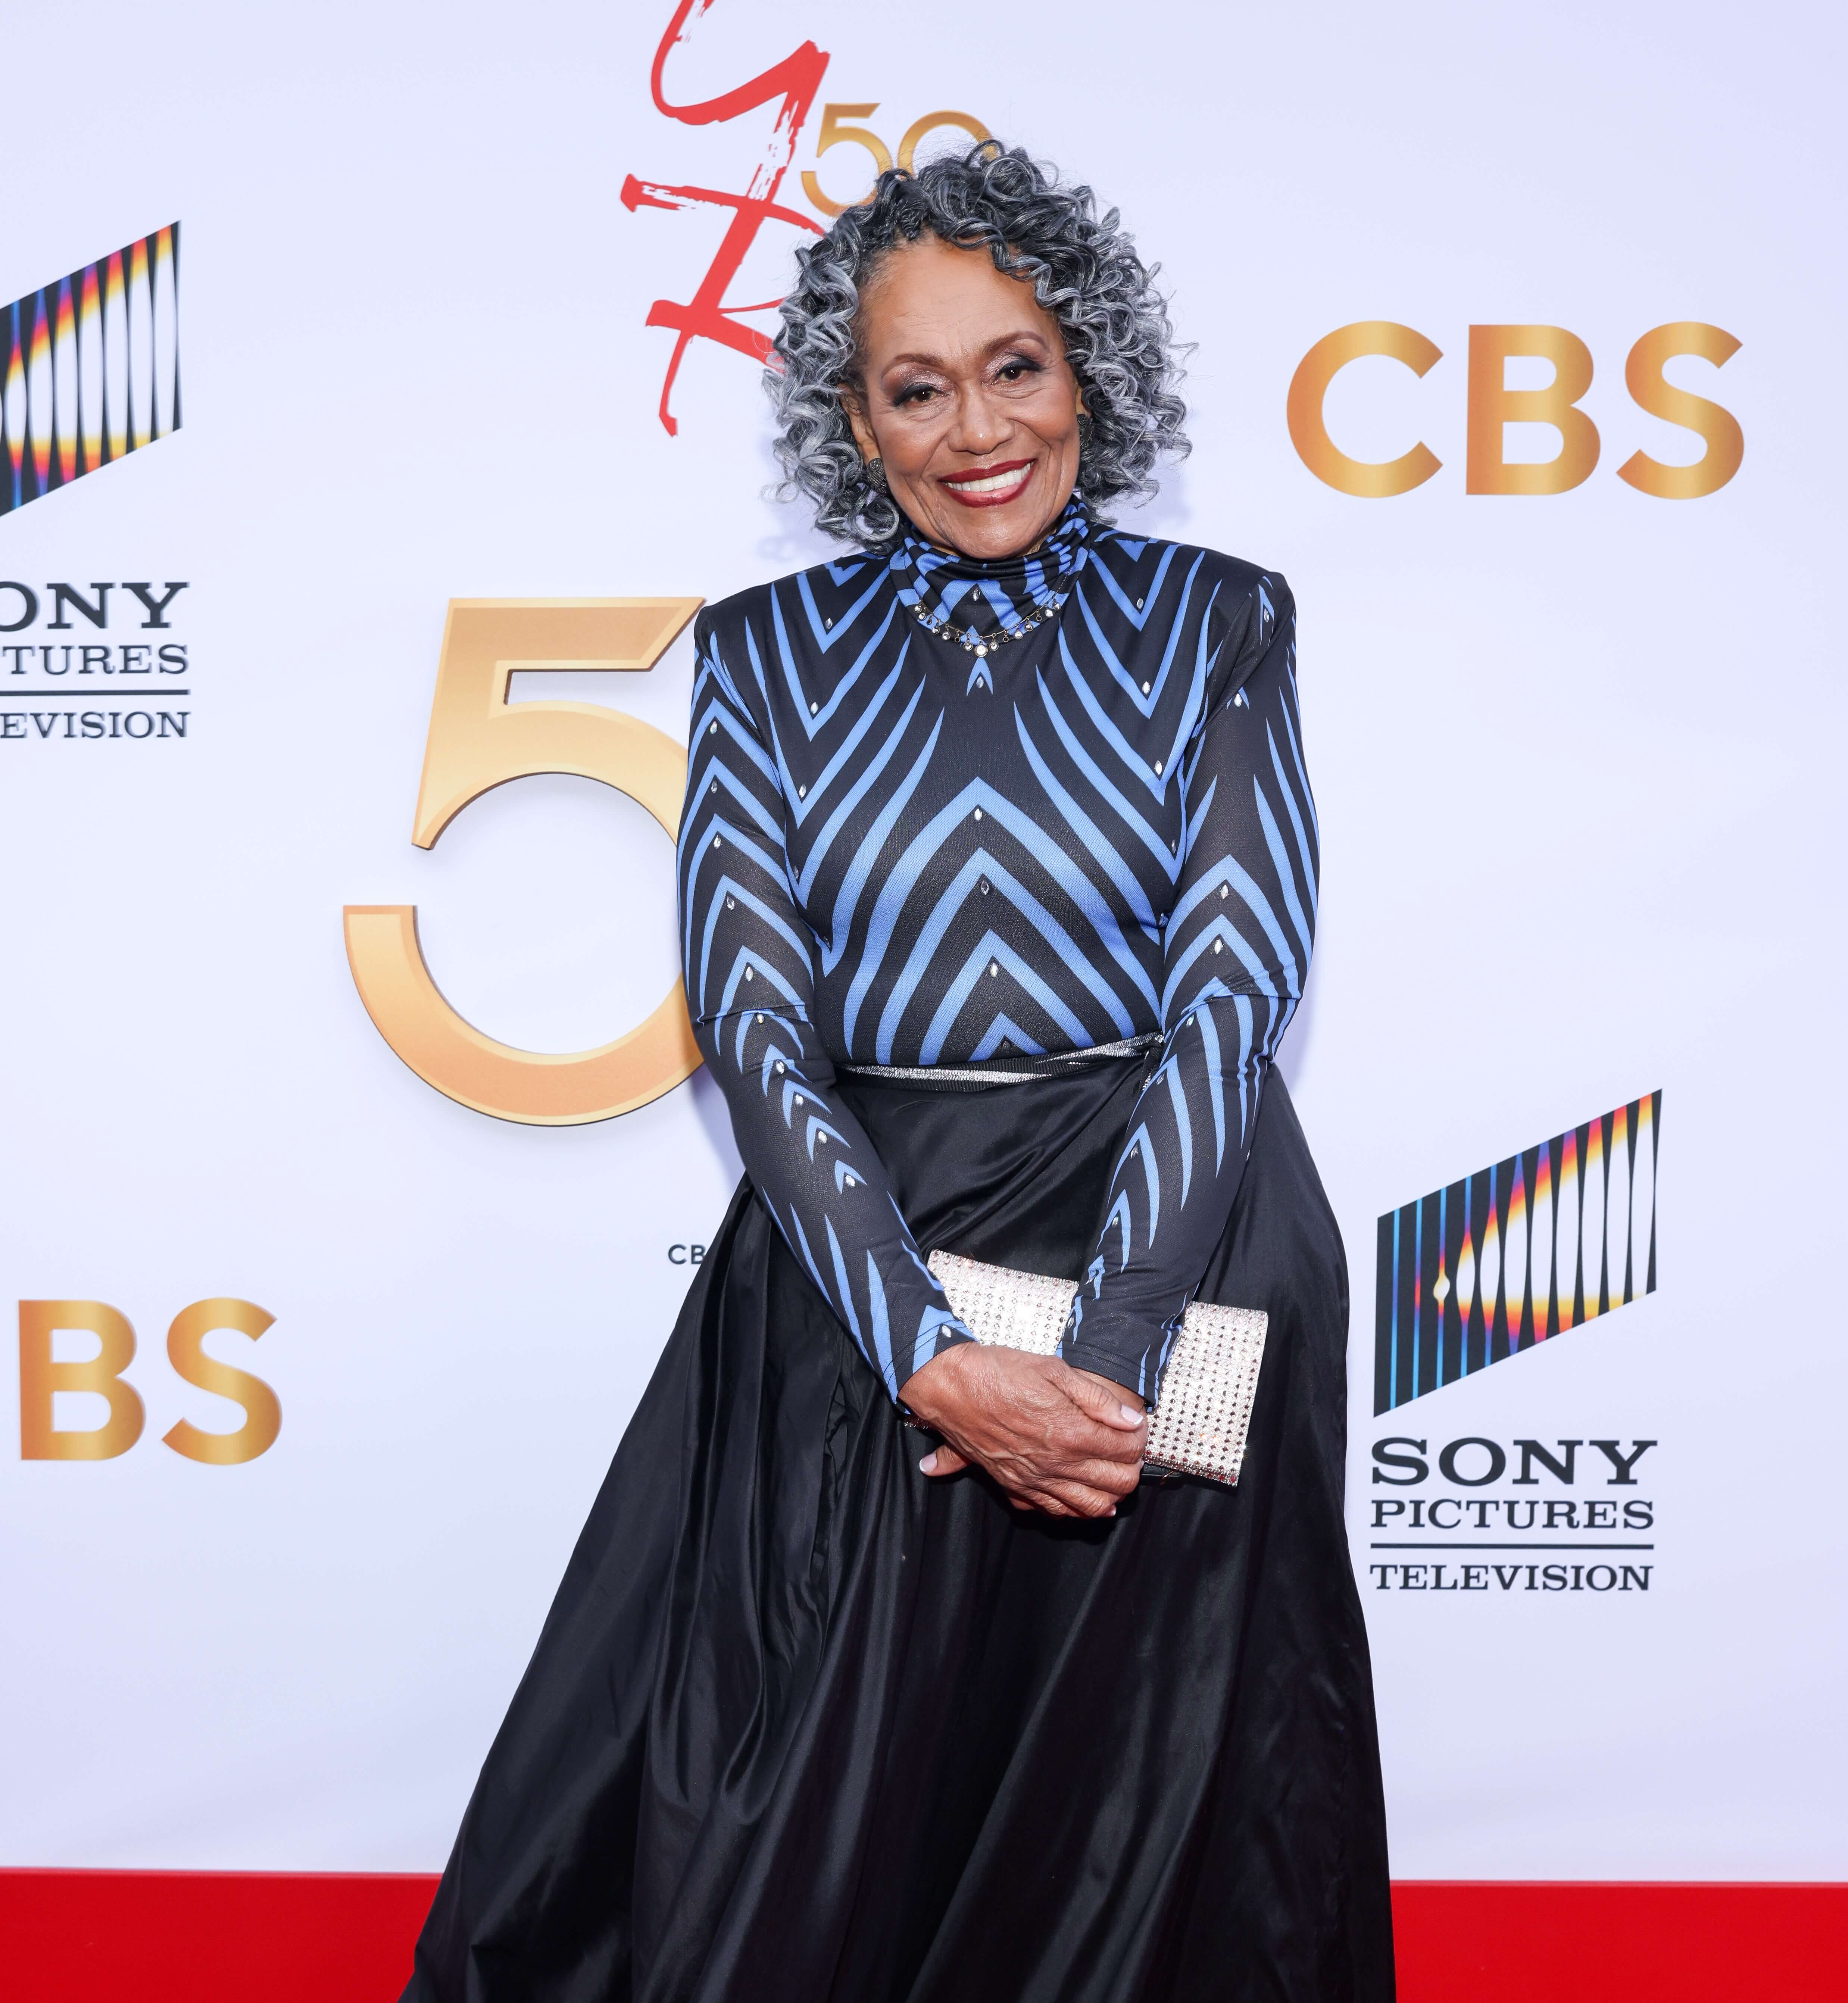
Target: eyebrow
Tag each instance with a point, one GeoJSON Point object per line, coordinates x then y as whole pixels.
{"type": "Point", "coordinates": [1017, 340]}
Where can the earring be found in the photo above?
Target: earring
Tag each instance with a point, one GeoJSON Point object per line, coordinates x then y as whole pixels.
{"type": "Point", "coordinates": [875, 475]}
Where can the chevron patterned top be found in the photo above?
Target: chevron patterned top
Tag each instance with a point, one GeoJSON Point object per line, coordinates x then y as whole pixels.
{"type": "Point", "coordinates": [886, 859]}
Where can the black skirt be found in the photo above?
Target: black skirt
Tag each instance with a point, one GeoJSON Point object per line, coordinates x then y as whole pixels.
{"type": "Point", "coordinates": [806, 1726]}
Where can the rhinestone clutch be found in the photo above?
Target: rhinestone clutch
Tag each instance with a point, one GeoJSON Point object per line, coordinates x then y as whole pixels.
{"type": "Point", "coordinates": [1199, 1426]}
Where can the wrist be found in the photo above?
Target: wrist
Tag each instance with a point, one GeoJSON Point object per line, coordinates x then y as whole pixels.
{"type": "Point", "coordinates": [924, 1391]}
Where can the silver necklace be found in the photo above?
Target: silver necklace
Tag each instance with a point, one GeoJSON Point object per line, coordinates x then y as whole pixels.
{"type": "Point", "coordinates": [982, 644]}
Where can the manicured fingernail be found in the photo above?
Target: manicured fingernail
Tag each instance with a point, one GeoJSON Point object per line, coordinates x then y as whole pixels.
{"type": "Point", "coordinates": [928, 1463]}
{"type": "Point", "coordinates": [1113, 1509]}
{"type": "Point", "coordinates": [1130, 1413]}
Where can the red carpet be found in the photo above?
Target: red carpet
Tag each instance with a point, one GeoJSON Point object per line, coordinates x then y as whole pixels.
{"type": "Point", "coordinates": [1566, 1943]}
{"type": "Point", "coordinates": [260, 1937]}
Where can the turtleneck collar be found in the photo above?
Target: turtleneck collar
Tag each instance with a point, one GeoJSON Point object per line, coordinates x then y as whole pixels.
{"type": "Point", "coordinates": [980, 600]}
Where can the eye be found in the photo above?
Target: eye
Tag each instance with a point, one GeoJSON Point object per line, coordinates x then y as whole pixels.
{"type": "Point", "coordinates": [1016, 369]}
{"type": "Point", "coordinates": [913, 393]}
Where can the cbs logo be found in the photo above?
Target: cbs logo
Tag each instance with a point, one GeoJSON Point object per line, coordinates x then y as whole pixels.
{"type": "Point", "coordinates": [45, 1376]}
{"type": "Point", "coordinates": [1492, 405]}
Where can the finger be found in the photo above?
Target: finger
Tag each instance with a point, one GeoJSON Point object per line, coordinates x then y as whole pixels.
{"type": "Point", "coordinates": [1109, 1477]}
{"type": "Point", "coordinates": [1078, 1439]}
{"type": "Point", "coordinates": [1080, 1499]}
{"type": "Point", "coordinates": [1047, 1497]}
{"type": "Point", "coordinates": [1098, 1463]}
{"type": "Point", "coordinates": [1102, 1401]}
{"type": "Point", "coordinates": [1055, 1498]}
{"type": "Point", "coordinates": [944, 1460]}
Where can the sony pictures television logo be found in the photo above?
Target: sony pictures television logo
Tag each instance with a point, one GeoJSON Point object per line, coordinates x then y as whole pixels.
{"type": "Point", "coordinates": [1474, 1275]}
{"type": "Point", "coordinates": [91, 366]}
{"type": "Point", "coordinates": [92, 663]}
{"type": "Point", "coordinates": [1515, 1253]}
{"type": "Point", "coordinates": [89, 371]}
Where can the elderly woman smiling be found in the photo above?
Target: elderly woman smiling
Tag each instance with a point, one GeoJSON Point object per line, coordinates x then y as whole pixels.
{"type": "Point", "coordinates": [884, 1672]}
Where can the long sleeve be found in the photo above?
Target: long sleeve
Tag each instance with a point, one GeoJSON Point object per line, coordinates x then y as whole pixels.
{"type": "Point", "coordinates": [749, 958]}
{"type": "Point", "coordinates": [1235, 951]}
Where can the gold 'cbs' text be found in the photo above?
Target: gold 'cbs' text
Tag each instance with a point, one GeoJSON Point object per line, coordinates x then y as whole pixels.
{"type": "Point", "coordinates": [1493, 405]}
{"type": "Point", "coordinates": [43, 1375]}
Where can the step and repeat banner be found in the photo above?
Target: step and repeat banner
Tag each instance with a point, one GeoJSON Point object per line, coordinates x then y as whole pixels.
{"type": "Point", "coordinates": [379, 398]}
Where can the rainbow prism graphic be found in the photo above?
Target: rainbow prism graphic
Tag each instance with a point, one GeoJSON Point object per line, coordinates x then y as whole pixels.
{"type": "Point", "coordinates": [89, 367]}
{"type": "Point", "coordinates": [1517, 1252]}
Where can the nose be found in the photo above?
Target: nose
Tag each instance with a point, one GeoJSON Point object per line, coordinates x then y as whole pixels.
{"type": "Point", "coordinates": [982, 429]}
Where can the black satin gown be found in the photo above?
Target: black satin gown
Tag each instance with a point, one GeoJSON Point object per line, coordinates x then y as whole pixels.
{"type": "Point", "coordinates": [806, 1726]}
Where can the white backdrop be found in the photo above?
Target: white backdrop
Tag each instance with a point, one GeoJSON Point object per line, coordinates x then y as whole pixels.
{"type": "Point", "coordinates": [1575, 756]}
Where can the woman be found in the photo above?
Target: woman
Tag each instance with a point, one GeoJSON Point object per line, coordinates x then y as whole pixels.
{"type": "Point", "coordinates": [879, 1675]}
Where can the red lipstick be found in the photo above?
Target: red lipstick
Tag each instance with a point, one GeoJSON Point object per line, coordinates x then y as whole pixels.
{"type": "Point", "coordinates": [990, 486]}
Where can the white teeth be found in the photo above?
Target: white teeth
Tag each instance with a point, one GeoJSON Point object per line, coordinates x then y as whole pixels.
{"type": "Point", "coordinates": [1017, 478]}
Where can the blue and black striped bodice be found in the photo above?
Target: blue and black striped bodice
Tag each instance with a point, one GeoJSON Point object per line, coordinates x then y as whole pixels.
{"type": "Point", "coordinates": [924, 843]}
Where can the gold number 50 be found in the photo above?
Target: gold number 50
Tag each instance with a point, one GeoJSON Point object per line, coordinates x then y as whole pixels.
{"type": "Point", "coordinates": [477, 740]}
{"type": "Point", "coordinates": [834, 132]}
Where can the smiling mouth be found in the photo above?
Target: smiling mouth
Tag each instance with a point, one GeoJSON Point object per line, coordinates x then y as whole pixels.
{"type": "Point", "coordinates": [993, 486]}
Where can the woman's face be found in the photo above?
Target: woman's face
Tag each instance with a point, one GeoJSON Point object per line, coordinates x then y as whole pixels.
{"type": "Point", "coordinates": [968, 399]}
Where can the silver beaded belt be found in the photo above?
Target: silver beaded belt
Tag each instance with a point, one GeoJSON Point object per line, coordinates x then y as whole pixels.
{"type": "Point", "coordinates": [1020, 1071]}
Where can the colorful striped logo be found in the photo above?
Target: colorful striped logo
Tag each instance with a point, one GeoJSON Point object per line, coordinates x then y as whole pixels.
{"type": "Point", "coordinates": [91, 368]}
{"type": "Point", "coordinates": [1471, 1274]}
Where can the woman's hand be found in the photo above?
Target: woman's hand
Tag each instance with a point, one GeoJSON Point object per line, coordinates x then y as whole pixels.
{"type": "Point", "coordinates": [1061, 1440]}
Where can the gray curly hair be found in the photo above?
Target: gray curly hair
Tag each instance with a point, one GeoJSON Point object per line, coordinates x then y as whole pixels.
{"type": "Point", "coordinates": [1085, 272]}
